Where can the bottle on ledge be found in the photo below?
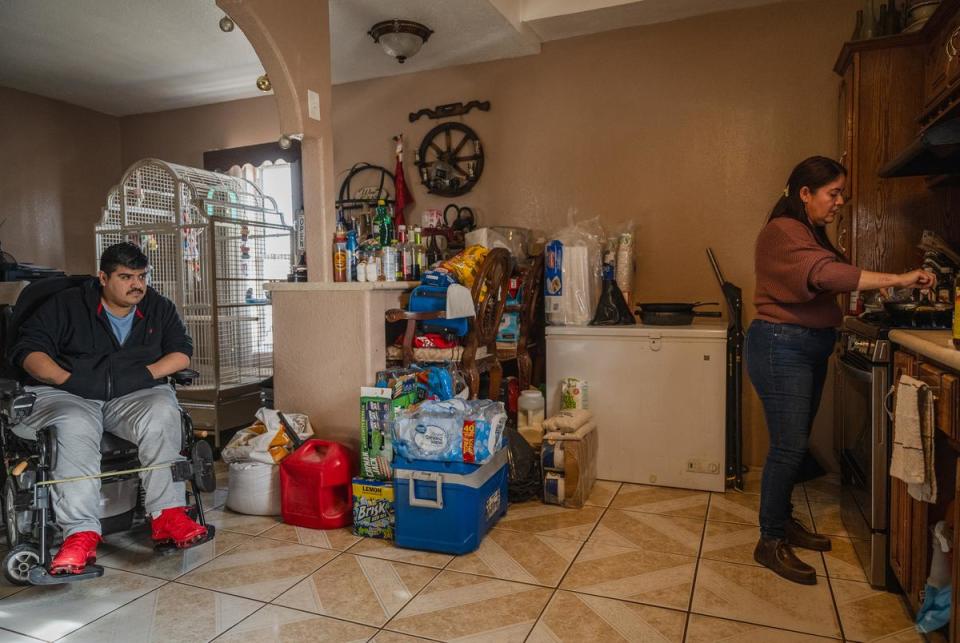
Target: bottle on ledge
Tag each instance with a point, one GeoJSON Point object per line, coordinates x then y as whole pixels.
{"type": "Point", "coordinates": [956, 312]}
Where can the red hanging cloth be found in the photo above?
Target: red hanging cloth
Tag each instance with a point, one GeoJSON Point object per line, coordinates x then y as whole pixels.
{"type": "Point", "coordinates": [403, 197]}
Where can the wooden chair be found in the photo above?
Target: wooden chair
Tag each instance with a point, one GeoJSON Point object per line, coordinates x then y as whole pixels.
{"type": "Point", "coordinates": [530, 322]}
{"type": "Point", "coordinates": [479, 351]}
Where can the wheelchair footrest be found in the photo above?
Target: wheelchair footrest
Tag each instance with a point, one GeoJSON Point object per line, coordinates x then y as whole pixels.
{"type": "Point", "coordinates": [168, 548]}
{"type": "Point", "coordinates": [40, 576]}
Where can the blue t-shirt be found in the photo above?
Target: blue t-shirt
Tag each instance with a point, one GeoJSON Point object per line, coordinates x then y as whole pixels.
{"type": "Point", "coordinates": [121, 325]}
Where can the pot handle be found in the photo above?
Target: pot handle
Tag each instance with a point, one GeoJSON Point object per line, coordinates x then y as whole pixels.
{"type": "Point", "coordinates": [704, 303]}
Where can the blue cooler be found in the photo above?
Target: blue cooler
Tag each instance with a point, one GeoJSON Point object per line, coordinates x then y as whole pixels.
{"type": "Point", "coordinates": [448, 507]}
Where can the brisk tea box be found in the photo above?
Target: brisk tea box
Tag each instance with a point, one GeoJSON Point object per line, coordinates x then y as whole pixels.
{"type": "Point", "coordinates": [373, 508]}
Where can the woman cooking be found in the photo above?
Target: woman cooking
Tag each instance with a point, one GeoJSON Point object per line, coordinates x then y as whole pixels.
{"type": "Point", "coordinates": [799, 275]}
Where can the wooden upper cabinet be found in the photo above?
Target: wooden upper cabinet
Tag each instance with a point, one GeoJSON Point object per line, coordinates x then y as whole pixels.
{"type": "Point", "coordinates": [846, 140]}
{"type": "Point", "coordinates": [942, 62]}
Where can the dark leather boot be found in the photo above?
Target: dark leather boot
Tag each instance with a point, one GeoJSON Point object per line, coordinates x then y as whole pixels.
{"type": "Point", "coordinates": [800, 536]}
{"type": "Point", "coordinates": [775, 554]}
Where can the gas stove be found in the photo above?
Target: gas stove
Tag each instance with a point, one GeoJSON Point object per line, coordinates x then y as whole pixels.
{"type": "Point", "coordinates": [868, 335]}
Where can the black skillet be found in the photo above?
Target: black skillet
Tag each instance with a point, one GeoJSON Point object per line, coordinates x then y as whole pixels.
{"type": "Point", "coordinates": [674, 314]}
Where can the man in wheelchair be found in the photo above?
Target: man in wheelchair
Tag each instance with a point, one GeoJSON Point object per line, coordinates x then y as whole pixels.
{"type": "Point", "coordinates": [97, 358]}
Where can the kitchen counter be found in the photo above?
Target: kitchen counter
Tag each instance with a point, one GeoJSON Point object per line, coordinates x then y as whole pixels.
{"type": "Point", "coordinates": [329, 339]}
{"type": "Point", "coordinates": [338, 286]}
{"type": "Point", "coordinates": [935, 344]}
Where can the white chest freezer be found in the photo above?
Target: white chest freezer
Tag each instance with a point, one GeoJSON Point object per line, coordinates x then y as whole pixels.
{"type": "Point", "coordinates": [658, 394]}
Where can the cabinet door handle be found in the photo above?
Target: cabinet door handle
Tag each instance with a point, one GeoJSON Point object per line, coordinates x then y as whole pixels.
{"type": "Point", "coordinates": [841, 231]}
{"type": "Point", "coordinates": [950, 47]}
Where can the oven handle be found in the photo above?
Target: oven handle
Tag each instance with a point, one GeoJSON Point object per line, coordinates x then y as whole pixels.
{"type": "Point", "coordinates": [856, 373]}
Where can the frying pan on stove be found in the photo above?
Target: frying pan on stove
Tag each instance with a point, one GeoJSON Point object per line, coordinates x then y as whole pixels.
{"type": "Point", "coordinates": [674, 314]}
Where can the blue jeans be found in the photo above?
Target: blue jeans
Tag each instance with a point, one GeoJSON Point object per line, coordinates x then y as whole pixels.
{"type": "Point", "coordinates": [787, 365]}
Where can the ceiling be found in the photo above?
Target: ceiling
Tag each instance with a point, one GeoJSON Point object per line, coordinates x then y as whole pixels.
{"type": "Point", "coordinates": [97, 53]}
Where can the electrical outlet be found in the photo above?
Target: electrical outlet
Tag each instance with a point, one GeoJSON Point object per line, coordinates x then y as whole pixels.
{"type": "Point", "coordinates": [702, 466]}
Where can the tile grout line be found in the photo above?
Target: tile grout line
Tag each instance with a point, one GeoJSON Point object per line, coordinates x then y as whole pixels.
{"type": "Point", "coordinates": [696, 569]}
{"type": "Point", "coordinates": [573, 560]}
{"type": "Point", "coordinates": [250, 615]}
{"type": "Point", "coordinates": [120, 607]}
{"type": "Point", "coordinates": [826, 570]}
{"type": "Point", "coordinates": [32, 638]}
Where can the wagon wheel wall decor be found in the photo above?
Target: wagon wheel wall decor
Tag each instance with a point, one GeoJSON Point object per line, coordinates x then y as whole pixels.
{"type": "Point", "coordinates": [450, 159]}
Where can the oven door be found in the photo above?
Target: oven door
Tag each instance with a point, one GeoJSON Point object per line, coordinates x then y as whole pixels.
{"type": "Point", "coordinates": [864, 452]}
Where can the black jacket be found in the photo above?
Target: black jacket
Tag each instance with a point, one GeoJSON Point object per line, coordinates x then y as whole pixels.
{"type": "Point", "coordinates": [73, 329]}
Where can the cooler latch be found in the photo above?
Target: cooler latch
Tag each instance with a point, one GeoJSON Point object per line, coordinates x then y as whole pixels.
{"type": "Point", "coordinates": [426, 476]}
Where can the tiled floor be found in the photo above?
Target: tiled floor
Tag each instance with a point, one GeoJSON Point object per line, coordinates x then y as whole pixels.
{"type": "Point", "coordinates": [637, 564]}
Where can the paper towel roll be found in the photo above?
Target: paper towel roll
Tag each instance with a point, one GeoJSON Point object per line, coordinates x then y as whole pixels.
{"type": "Point", "coordinates": [574, 306]}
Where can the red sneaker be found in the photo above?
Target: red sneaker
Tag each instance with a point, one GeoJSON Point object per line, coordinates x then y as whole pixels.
{"type": "Point", "coordinates": [77, 551]}
{"type": "Point", "coordinates": [174, 525]}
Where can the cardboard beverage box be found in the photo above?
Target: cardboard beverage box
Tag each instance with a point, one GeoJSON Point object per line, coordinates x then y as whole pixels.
{"type": "Point", "coordinates": [376, 439]}
{"type": "Point", "coordinates": [373, 508]}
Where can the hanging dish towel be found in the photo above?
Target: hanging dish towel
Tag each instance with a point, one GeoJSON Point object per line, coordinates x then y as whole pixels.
{"type": "Point", "coordinates": [912, 457]}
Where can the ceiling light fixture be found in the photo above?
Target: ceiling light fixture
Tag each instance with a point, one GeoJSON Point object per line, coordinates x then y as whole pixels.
{"type": "Point", "coordinates": [226, 24]}
{"type": "Point", "coordinates": [400, 38]}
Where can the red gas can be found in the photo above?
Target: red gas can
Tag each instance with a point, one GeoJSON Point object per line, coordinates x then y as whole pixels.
{"type": "Point", "coordinates": [315, 485]}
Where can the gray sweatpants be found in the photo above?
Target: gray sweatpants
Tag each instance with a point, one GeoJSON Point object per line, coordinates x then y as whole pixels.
{"type": "Point", "coordinates": [150, 418]}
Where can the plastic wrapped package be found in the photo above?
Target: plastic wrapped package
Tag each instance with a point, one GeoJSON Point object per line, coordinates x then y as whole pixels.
{"type": "Point", "coordinates": [572, 274]}
{"type": "Point", "coordinates": [569, 463]}
{"type": "Point", "coordinates": [265, 441]}
{"type": "Point", "coordinates": [465, 266]}
{"type": "Point", "coordinates": [450, 431]}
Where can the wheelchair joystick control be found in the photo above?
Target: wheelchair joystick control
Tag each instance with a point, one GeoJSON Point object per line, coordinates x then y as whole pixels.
{"type": "Point", "coordinates": [20, 468]}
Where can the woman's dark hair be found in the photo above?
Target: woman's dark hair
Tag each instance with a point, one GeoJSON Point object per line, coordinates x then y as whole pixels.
{"type": "Point", "coordinates": [813, 173]}
{"type": "Point", "coordinates": [123, 254]}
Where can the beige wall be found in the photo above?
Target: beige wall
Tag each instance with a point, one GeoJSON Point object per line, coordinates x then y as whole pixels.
{"type": "Point", "coordinates": [688, 128]}
{"type": "Point", "coordinates": [183, 135]}
{"type": "Point", "coordinates": [58, 163]}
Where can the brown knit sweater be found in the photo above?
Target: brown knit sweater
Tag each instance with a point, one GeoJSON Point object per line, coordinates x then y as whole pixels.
{"type": "Point", "coordinates": [797, 279]}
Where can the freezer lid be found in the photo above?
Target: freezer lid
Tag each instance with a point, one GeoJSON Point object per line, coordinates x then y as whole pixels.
{"type": "Point", "coordinates": [700, 329]}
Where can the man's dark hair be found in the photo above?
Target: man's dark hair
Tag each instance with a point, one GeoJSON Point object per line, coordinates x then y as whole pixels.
{"type": "Point", "coordinates": [123, 254]}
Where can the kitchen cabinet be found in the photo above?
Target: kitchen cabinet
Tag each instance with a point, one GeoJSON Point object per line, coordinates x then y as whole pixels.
{"type": "Point", "coordinates": [942, 63]}
{"type": "Point", "coordinates": [881, 95]}
{"type": "Point", "coordinates": [947, 404]}
{"type": "Point", "coordinates": [911, 521]}
{"type": "Point", "coordinates": [901, 504]}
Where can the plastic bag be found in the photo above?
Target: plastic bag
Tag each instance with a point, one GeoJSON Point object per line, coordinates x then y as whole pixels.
{"type": "Point", "coordinates": [450, 431]}
{"type": "Point", "coordinates": [572, 273]}
{"type": "Point", "coordinates": [612, 309]}
{"type": "Point", "coordinates": [465, 266]}
{"type": "Point", "coordinates": [265, 441]}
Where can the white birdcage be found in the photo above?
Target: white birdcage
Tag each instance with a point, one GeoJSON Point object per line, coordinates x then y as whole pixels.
{"type": "Point", "coordinates": [213, 240]}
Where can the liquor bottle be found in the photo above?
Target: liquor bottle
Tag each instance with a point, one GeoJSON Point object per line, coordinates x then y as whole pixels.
{"type": "Point", "coordinates": [405, 248]}
{"type": "Point", "coordinates": [384, 224]}
{"type": "Point", "coordinates": [858, 29]}
{"type": "Point", "coordinates": [869, 20]}
{"type": "Point", "coordinates": [340, 257]}
{"type": "Point", "coordinates": [352, 255]}
{"type": "Point", "coordinates": [956, 313]}
{"type": "Point", "coordinates": [419, 255]}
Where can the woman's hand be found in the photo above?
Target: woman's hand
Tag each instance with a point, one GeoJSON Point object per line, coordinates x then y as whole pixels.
{"type": "Point", "coordinates": [916, 279]}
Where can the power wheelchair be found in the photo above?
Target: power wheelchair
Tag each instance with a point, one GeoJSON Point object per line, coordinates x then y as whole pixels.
{"type": "Point", "coordinates": [29, 459]}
